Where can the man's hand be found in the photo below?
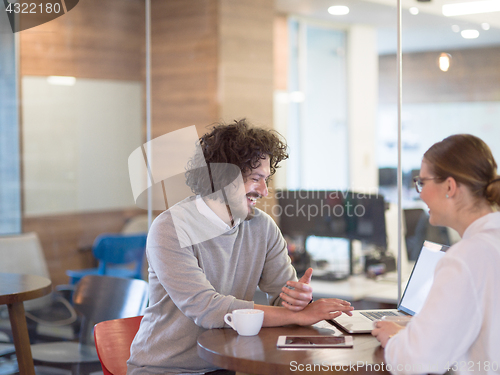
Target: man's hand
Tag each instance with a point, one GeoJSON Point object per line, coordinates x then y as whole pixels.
{"type": "Point", "coordinates": [324, 308]}
{"type": "Point", "coordinates": [296, 295]}
{"type": "Point", "coordinates": [385, 330]}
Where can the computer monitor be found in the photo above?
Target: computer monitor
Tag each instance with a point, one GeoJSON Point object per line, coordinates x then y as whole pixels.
{"type": "Point", "coordinates": [419, 230]}
{"type": "Point", "coordinates": [387, 176]}
{"type": "Point", "coordinates": [342, 214]}
{"type": "Point", "coordinates": [329, 256]}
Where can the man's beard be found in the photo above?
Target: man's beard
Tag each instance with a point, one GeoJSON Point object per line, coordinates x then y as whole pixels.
{"type": "Point", "coordinates": [251, 214]}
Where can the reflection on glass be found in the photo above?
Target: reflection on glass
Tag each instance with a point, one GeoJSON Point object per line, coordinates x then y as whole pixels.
{"type": "Point", "coordinates": [450, 85]}
{"type": "Point", "coordinates": [82, 114]}
{"type": "Point", "coordinates": [10, 174]}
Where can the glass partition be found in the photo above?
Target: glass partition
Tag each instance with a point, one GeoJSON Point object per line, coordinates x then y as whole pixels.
{"type": "Point", "coordinates": [317, 110]}
{"type": "Point", "coordinates": [82, 112]}
{"type": "Point", "coordinates": [10, 168]}
{"type": "Point", "coordinates": [450, 86]}
{"type": "Point", "coordinates": [336, 87]}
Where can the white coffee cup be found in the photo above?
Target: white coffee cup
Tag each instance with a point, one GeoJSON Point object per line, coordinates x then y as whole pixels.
{"type": "Point", "coordinates": [247, 322]}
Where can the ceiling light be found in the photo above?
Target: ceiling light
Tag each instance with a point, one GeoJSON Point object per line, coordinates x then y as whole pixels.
{"type": "Point", "coordinates": [413, 10]}
{"type": "Point", "coordinates": [61, 80]}
{"type": "Point", "coordinates": [338, 10]}
{"type": "Point", "coordinates": [455, 28]}
{"type": "Point", "coordinates": [444, 62]}
{"type": "Point", "coordinates": [460, 9]}
{"type": "Point", "coordinates": [485, 26]}
{"type": "Point", "coordinates": [469, 34]}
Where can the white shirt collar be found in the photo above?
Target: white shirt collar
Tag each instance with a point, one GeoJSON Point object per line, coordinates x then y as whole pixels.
{"type": "Point", "coordinates": [206, 211]}
{"type": "Point", "coordinates": [489, 221]}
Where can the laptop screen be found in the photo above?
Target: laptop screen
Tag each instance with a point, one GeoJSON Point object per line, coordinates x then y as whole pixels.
{"type": "Point", "coordinates": [421, 278]}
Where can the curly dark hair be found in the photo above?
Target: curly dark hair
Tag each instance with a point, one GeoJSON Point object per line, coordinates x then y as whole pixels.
{"type": "Point", "coordinates": [237, 144]}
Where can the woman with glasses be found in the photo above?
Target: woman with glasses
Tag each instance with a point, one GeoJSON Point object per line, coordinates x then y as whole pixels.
{"type": "Point", "coordinates": [458, 327]}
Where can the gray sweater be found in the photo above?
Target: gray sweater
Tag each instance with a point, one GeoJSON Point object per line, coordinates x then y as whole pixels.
{"type": "Point", "coordinates": [192, 288]}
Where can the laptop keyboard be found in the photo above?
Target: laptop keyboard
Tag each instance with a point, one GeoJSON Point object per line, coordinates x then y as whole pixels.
{"type": "Point", "coordinates": [375, 315]}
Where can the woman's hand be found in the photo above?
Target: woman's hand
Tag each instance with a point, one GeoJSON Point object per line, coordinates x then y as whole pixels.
{"type": "Point", "coordinates": [385, 330]}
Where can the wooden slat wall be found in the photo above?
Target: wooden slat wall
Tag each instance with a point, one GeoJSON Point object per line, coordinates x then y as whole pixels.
{"type": "Point", "coordinates": [473, 76]}
{"type": "Point", "coordinates": [246, 61]}
{"type": "Point", "coordinates": [97, 39]}
{"type": "Point", "coordinates": [184, 64]}
{"type": "Point", "coordinates": [211, 61]}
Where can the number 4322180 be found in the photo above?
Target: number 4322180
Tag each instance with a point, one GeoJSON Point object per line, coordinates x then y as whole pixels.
{"type": "Point", "coordinates": [33, 8]}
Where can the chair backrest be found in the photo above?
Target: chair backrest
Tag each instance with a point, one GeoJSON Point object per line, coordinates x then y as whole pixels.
{"type": "Point", "coordinates": [23, 253]}
{"type": "Point", "coordinates": [99, 298]}
{"type": "Point", "coordinates": [119, 248]}
{"type": "Point", "coordinates": [136, 224]}
{"type": "Point", "coordinates": [112, 341]}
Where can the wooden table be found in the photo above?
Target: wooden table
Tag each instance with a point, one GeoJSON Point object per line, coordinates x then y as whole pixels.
{"type": "Point", "coordinates": [259, 355]}
{"type": "Point", "coordinates": [14, 289]}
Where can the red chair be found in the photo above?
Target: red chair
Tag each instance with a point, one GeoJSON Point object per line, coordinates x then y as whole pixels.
{"type": "Point", "coordinates": [112, 341]}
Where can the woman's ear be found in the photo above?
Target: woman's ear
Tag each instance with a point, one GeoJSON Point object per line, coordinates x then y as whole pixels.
{"type": "Point", "coordinates": [451, 187]}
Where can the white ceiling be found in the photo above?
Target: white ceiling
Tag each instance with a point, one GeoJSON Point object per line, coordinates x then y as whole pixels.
{"type": "Point", "coordinates": [429, 30]}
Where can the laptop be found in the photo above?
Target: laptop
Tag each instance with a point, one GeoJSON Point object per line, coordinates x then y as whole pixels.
{"type": "Point", "coordinates": [413, 298]}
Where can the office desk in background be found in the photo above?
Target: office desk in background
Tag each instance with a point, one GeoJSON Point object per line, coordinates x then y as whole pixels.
{"type": "Point", "coordinates": [259, 355]}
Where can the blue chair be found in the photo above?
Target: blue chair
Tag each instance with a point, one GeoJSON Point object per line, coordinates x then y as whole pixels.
{"type": "Point", "coordinates": [113, 251]}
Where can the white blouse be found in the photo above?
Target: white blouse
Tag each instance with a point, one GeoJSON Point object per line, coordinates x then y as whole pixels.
{"type": "Point", "coordinates": [458, 327]}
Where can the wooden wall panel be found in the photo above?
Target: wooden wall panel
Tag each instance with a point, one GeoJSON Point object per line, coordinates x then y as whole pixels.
{"type": "Point", "coordinates": [97, 39]}
{"type": "Point", "coordinates": [184, 64]}
{"type": "Point", "coordinates": [473, 76]}
{"type": "Point", "coordinates": [246, 61]}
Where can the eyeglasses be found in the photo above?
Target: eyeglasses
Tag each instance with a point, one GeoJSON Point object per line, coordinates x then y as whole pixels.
{"type": "Point", "coordinates": [419, 182]}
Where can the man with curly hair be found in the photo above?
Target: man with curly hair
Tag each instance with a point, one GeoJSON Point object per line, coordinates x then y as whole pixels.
{"type": "Point", "coordinates": [209, 253]}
